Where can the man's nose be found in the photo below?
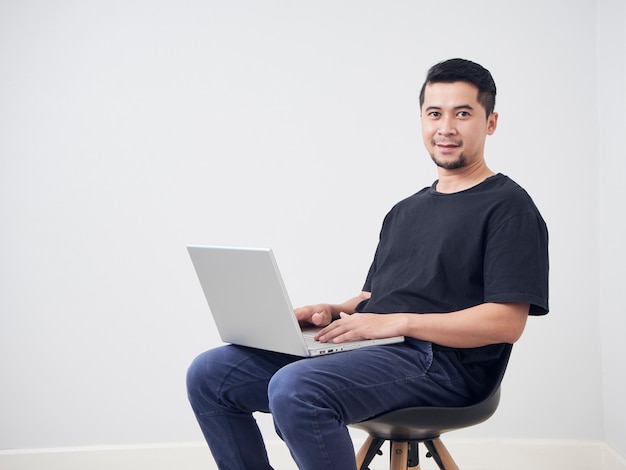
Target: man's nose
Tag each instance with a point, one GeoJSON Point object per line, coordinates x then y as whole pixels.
{"type": "Point", "coordinates": [447, 126]}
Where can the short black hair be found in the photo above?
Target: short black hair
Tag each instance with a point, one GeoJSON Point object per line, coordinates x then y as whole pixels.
{"type": "Point", "coordinates": [463, 70]}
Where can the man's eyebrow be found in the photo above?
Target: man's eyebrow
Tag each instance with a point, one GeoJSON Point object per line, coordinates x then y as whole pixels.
{"type": "Point", "coordinates": [461, 106]}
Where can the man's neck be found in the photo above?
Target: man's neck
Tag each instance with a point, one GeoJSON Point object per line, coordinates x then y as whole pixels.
{"type": "Point", "coordinates": [454, 181]}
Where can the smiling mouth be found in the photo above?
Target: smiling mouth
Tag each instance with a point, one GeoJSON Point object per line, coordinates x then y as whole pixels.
{"type": "Point", "coordinates": [445, 149]}
{"type": "Point", "coordinates": [446, 145]}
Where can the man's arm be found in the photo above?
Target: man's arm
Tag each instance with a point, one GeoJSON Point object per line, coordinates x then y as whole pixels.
{"type": "Point", "coordinates": [488, 323]}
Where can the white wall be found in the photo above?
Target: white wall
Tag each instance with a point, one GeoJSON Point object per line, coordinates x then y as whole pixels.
{"type": "Point", "coordinates": [129, 129]}
{"type": "Point", "coordinates": [612, 104]}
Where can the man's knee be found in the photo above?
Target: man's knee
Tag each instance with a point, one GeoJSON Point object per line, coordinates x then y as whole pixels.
{"type": "Point", "coordinates": [280, 387]}
{"type": "Point", "coordinates": [197, 375]}
{"type": "Point", "coordinates": [292, 390]}
{"type": "Point", "coordinates": [204, 374]}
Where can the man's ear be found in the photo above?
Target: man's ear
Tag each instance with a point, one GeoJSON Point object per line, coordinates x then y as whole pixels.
{"type": "Point", "coordinates": [492, 123]}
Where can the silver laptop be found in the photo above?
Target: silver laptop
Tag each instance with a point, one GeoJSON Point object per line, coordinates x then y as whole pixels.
{"type": "Point", "coordinates": [250, 305]}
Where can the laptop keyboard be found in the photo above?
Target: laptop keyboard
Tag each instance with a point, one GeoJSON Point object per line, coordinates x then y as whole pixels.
{"type": "Point", "coordinates": [309, 334]}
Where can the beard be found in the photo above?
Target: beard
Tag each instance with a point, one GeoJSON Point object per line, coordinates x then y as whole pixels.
{"type": "Point", "coordinates": [450, 165]}
{"type": "Point", "coordinates": [461, 160]}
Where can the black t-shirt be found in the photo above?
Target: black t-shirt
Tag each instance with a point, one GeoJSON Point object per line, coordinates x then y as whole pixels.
{"type": "Point", "coordinates": [440, 253]}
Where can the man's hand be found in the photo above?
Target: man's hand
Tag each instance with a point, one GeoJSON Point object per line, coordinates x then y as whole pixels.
{"type": "Point", "coordinates": [317, 315]}
{"type": "Point", "coordinates": [361, 326]}
{"type": "Point", "coordinates": [321, 315]}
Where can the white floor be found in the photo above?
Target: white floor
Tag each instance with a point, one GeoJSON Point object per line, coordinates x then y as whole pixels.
{"type": "Point", "coordinates": [469, 455]}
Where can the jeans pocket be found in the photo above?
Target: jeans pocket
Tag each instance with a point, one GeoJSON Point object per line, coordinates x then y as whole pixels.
{"type": "Point", "coordinates": [443, 371]}
{"type": "Point", "coordinates": [423, 353]}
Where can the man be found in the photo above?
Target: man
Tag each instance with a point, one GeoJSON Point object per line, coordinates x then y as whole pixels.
{"type": "Point", "coordinates": [458, 268]}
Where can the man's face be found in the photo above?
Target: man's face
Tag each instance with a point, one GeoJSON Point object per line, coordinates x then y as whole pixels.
{"type": "Point", "coordinates": [455, 125]}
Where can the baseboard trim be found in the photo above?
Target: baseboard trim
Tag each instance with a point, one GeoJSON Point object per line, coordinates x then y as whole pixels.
{"type": "Point", "coordinates": [470, 454]}
{"type": "Point", "coordinates": [544, 454]}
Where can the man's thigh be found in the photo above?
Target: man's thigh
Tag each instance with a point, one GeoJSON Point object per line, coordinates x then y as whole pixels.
{"type": "Point", "coordinates": [363, 383]}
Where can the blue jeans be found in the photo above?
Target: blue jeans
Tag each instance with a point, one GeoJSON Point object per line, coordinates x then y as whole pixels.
{"type": "Point", "coordinates": [311, 400]}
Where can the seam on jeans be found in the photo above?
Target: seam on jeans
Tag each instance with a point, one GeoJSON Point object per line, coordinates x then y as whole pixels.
{"type": "Point", "coordinates": [323, 450]}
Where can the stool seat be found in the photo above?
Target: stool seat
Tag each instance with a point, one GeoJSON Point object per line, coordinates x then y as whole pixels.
{"type": "Point", "coordinates": [423, 423]}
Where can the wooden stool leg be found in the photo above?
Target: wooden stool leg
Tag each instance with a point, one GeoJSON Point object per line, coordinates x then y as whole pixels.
{"type": "Point", "coordinates": [399, 456]}
{"type": "Point", "coordinates": [441, 454]}
{"type": "Point", "coordinates": [368, 451]}
{"type": "Point", "coordinates": [362, 453]}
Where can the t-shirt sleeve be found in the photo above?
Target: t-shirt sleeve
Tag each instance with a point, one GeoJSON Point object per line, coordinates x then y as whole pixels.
{"type": "Point", "coordinates": [516, 262]}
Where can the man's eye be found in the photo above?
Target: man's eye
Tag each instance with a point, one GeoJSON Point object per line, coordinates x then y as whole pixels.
{"type": "Point", "coordinates": [434, 114]}
{"type": "Point", "coordinates": [463, 114]}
